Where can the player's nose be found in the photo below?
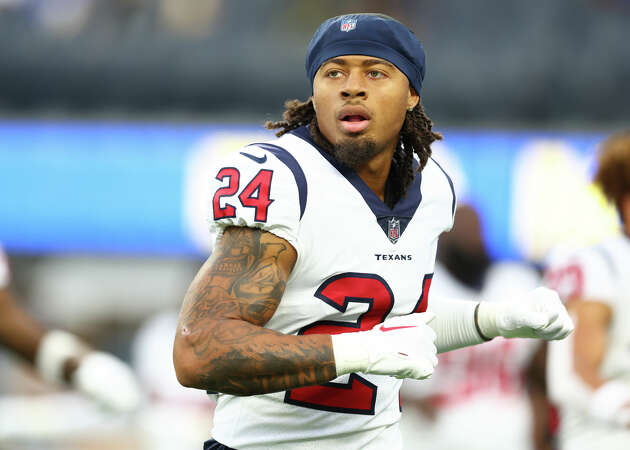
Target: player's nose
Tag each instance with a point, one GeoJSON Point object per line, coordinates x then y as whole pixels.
{"type": "Point", "coordinates": [354, 85]}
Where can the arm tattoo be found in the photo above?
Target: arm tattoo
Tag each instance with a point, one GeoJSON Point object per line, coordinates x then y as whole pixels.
{"type": "Point", "coordinates": [226, 309]}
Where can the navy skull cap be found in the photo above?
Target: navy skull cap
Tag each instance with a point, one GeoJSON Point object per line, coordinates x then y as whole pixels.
{"type": "Point", "coordinates": [375, 35]}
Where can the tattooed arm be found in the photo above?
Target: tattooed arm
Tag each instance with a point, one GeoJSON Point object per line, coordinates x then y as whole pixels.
{"type": "Point", "coordinates": [221, 344]}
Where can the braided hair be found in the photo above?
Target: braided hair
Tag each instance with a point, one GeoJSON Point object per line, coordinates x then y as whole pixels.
{"type": "Point", "coordinates": [416, 136]}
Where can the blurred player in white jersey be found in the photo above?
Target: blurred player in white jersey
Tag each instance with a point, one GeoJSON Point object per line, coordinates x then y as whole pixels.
{"type": "Point", "coordinates": [589, 374]}
{"type": "Point", "coordinates": [61, 357]}
{"type": "Point", "coordinates": [494, 390]}
{"type": "Point", "coordinates": [313, 305]}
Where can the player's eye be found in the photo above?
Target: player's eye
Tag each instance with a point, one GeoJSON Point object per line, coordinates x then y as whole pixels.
{"type": "Point", "coordinates": [376, 74]}
{"type": "Point", "coordinates": [334, 73]}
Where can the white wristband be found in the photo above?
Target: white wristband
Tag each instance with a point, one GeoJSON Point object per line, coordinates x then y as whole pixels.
{"type": "Point", "coordinates": [487, 320]}
{"type": "Point", "coordinates": [454, 324]}
{"type": "Point", "coordinates": [54, 349]}
{"type": "Point", "coordinates": [610, 403]}
{"type": "Point", "coordinates": [351, 354]}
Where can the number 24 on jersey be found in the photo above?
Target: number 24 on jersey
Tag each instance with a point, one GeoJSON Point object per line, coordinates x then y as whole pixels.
{"type": "Point", "coordinates": [255, 194]}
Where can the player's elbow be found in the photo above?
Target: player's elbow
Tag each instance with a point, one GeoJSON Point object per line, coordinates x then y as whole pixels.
{"type": "Point", "coordinates": [187, 367]}
{"type": "Point", "coordinates": [185, 372]}
{"type": "Point", "coordinates": [193, 371]}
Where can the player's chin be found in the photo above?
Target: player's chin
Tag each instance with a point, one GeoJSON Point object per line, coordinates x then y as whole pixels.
{"type": "Point", "coordinates": [353, 135]}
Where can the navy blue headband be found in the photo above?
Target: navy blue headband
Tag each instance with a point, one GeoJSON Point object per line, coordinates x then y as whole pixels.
{"type": "Point", "coordinates": [370, 35]}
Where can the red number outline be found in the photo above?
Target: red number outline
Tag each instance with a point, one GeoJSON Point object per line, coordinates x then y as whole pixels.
{"type": "Point", "coordinates": [423, 301]}
{"type": "Point", "coordinates": [358, 395]}
{"type": "Point", "coordinates": [254, 195]}
{"type": "Point", "coordinates": [228, 211]}
{"type": "Point", "coordinates": [260, 186]}
{"type": "Point", "coordinates": [568, 281]}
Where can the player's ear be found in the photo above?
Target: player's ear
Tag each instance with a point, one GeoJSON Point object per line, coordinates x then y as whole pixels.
{"type": "Point", "coordinates": [412, 99]}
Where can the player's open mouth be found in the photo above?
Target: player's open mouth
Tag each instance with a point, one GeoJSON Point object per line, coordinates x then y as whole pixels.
{"type": "Point", "coordinates": [354, 119]}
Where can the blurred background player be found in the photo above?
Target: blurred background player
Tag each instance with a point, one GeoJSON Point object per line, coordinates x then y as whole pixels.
{"type": "Point", "coordinates": [61, 357]}
{"type": "Point", "coordinates": [589, 375]}
{"type": "Point", "coordinates": [494, 390]}
{"type": "Point", "coordinates": [133, 406]}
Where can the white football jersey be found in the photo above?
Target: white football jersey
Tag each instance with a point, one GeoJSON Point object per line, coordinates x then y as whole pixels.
{"type": "Point", "coordinates": [5, 273]}
{"type": "Point", "coordinates": [477, 390]}
{"type": "Point", "coordinates": [359, 262]}
{"type": "Point", "coordinates": [599, 273]}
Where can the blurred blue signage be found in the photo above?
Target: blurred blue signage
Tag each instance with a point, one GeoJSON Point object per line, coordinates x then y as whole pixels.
{"type": "Point", "coordinates": [139, 187]}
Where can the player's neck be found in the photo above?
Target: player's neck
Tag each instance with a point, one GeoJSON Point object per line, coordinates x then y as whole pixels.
{"type": "Point", "coordinates": [375, 172]}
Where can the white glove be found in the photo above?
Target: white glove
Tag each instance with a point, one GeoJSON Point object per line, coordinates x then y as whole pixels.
{"type": "Point", "coordinates": [107, 380]}
{"type": "Point", "coordinates": [402, 347]}
{"type": "Point", "coordinates": [538, 314]}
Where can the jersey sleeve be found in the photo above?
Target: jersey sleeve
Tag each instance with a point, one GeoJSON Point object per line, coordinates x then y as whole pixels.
{"type": "Point", "coordinates": [584, 275]}
{"type": "Point", "coordinates": [5, 272]}
{"type": "Point", "coordinates": [255, 188]}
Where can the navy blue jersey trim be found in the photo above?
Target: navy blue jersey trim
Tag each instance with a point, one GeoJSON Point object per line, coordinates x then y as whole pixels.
{"type": "Point", "coordinates": [404, 209]}
{"type": "Point", "coordinates": [353, 378]}
{"type": "Point", "coordinates": [214, 445]}
{"type": "Point", "coordinates": [450, 182]}
{"type": "Point", "coordinates": [289, 160]}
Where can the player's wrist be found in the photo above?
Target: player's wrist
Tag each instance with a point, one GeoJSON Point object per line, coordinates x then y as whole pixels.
{"type": "Point", "coordinates": [350, 352]}
{"type": "Point", "coordinates": [455, 324]}
{"type": "Point", "coordinates": [610, 403]}
{"type": "Point", "coordinates": [486, 314]}
{"type": "Point", "coordinates": [57, 355]}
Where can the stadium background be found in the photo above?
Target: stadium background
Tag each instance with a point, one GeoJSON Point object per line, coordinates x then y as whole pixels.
{"type": "Point", "coordinates": [112, 114]}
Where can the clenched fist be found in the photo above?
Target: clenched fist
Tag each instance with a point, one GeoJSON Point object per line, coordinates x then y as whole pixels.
{"type": "Point", "coordinates": [403, 347]}
{"type": "Point", "coordinates": [537, 314]}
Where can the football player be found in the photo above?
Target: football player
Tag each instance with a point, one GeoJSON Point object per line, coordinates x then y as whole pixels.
{"type": "Point", "coordinates": [62, 358]}
{"type": "Point", "coordinates": [313, 306]}
{"type": "Point", "coordinates": [589, 374]}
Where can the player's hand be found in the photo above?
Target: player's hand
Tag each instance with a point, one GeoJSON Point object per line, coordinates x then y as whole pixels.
{"type": "Point", "coordinates": [538, 314]}
{"type": "Point", "coordinates": [109, 381]}
{"type": "Point", "coordinates": [403, 347]}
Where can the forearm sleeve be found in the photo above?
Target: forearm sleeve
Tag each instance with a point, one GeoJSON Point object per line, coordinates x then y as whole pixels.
{"type": "Point", "coordinates": [454, 324]}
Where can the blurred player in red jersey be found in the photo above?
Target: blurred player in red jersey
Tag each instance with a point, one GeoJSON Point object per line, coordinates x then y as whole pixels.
{"type": "Point", "coordinates": [589, 374]}
{"type": "Point", "coordinates": [496, 389]}
{"type": "Point", "coordinates": [62, 358]}
{"type": "Point", "coordinates": [315, 302]}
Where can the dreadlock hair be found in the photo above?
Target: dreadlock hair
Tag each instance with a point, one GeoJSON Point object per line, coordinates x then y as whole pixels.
{"type": "Point", "coordinates": [613, 168]}
{"type": "Point", "coordinates": [416, 136]}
